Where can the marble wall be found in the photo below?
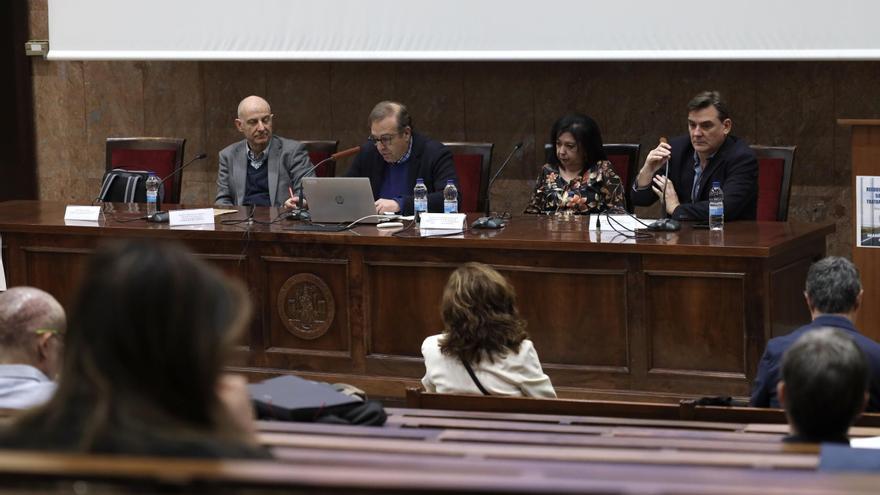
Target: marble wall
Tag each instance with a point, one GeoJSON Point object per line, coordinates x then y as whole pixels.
{"type": "Point", "coordinates": [79, 104]}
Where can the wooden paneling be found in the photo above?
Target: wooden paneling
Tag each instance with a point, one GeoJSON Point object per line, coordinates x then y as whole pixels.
{"type": "Point", "coordinates": [703, 311]}
{"type": "Point", "coordinates": [57, 270]}
{"type": "Point", "coordinates": [659, 318]}
{"type": "Point", "coordinates": [329, 310]}
{"type": "Point", "coordinates": [866, 161]}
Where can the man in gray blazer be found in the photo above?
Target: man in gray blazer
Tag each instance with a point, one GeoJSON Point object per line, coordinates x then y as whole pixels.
{"type": "Point", "coordinates": [262, 168]}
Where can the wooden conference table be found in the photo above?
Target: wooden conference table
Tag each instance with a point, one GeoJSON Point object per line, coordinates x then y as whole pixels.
{"type": "Point", "coordinates": [679, 313]}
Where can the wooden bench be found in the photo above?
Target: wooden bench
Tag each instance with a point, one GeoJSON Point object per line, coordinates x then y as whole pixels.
{"type": "Point", "coordinates": [379, 473]}
{"type": "Point", "coordinates": [686, 410]}
{"type": "Point", "coordinates": [429, 451]}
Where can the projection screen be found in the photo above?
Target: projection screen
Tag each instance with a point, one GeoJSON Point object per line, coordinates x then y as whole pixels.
{"type": "Point", "coordinates": [463, 30]}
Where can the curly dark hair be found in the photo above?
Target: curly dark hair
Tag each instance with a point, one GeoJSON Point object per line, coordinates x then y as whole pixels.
{"type": "Point", "coordinates": [479, 315]}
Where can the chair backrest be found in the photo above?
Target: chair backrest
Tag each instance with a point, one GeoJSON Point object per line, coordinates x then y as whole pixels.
{"type": "Point", "coordinates": [624, 157]}
{"type": "Point", "coordinates": [472, 164]}
{"type": "Point", "coordinates": [774, 181]}
{"type": "Point", "coordinates": [321, 150]}
{"type": "Point", "coordinates": [158, 154]}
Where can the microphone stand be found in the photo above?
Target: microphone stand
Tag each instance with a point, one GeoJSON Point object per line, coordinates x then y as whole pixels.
{"type": "Point", "coordinates": [488, 221]}
{"type": "Point", "coordinates": [162, 216]}
{"type": "Point", "coordinates": [665, 224]}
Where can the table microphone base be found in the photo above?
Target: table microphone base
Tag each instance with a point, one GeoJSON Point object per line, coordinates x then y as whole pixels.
{"type": "Point", "coordinates": [488, 223]}
{"type": "Point", "coordinates": [665, 225]}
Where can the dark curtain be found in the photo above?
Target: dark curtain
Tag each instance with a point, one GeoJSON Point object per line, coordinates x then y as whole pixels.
{"type": "Point", "coordinates": [17, 153]}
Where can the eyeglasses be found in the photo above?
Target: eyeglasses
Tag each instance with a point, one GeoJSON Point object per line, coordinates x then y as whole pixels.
{"type": "Point", "coordinates": [51, 331]}
{"type": "Point", "coordinates": [41, 331]}
{"type": "Point", "coordinates": [385, 139]}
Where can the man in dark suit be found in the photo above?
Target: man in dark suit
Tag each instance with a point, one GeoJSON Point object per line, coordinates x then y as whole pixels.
{"type": "Point", "coordinates": [395, 156]}
{"type": "Point", "coordinates": [709, 153]}
{"type": "Point", "coordinates": [262, 168]}
{"type": "Point", "coordinates": [833, 295]}
{"type": "Point", "coordinates": [824, 386]}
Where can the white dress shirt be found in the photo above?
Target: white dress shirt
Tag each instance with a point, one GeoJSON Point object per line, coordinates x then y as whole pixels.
{"type": "Point", "coordinates": [23, 386]}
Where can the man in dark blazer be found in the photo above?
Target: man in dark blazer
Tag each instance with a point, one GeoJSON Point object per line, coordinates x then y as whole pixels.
{"type": "Point", "coordinates": [395, 156]}
{"type": "Point", "coordinates": [709, 153]}
{"type": "Point", "coordinates": [833, 294]}
{"type": "Point", "coordinates": [262, 168]}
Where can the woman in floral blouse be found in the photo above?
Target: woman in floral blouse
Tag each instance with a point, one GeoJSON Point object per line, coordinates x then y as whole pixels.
{"type": "Point", "coordinates": [579, 177]}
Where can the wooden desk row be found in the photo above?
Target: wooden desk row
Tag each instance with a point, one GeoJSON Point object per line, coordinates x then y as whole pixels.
{"type": "Point", "coordinates": [678, 314]}
{"type": "Point", "coordinates": [428, 451]}
{"type": "Point", "coordinates": [686, 410]}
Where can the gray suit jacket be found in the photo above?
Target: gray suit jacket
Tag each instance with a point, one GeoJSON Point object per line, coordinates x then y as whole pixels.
{"type": "Point", "coordinates": [288, 162]}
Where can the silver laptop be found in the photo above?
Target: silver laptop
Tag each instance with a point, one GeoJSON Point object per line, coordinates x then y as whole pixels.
{"type": "Point", "coordinates": [340, 199]}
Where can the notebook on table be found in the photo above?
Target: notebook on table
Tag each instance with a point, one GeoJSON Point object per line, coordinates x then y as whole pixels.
{"type": "Point", "coordinates": [340, 200]}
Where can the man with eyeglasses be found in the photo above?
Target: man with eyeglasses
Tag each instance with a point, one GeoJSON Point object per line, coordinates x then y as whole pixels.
{"type": "Point", "coordinates": [32, 325]}
{"type": "Point", "coordinates": [262, 168]}
{"type": "Point", "coordinates": [708, 153]}
{"type": "Point", "coordinates": [395, 156]}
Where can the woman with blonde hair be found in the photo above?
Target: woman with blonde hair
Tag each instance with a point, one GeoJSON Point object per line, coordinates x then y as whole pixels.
{"type": "Point", "coordinates": [484, 347]}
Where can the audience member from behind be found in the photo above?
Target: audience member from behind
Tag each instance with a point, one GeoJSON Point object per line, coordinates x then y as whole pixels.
{"type": "Point", "coordinates": [708, 153]}
{"type": "Point", "coordinates": [32, 324]}
{"type": "Point", "coordinates": [833, 294]}
{"type": "Point", "coordinates": [824, 386]}
{"type": "Point", "coordinates": [578, 178]}
{"type": "Point", "coordinates": [148, 338]}
{"type": "Point", "coordinates": [483, 330]}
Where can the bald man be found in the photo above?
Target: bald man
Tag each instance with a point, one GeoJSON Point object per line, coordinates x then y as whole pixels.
{"type": "Point", "coordinates": [32, 324]}
{"type": "Point", "coordinates": [260, 169]}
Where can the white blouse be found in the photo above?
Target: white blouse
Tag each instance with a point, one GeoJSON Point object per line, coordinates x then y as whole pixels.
{"type": "Point", "coordinates": [517, 374]}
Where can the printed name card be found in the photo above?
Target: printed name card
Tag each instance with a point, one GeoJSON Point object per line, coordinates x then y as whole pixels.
{"type": "Point", "coordinates": [88, 213]}
{"type": "Point", "coordinates": [452, 222]}
{"type": "Point", "coordinates": [200, 216]}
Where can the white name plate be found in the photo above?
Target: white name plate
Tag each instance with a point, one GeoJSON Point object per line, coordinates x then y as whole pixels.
{"type": "Point", "coordinates": [87, 213]}
{"type": "Point", "coordinates": [452, 222]}
{"type": "Point", "coordinates": [612, 223]}
{"type": "Point", "coordinates": [200, 216]}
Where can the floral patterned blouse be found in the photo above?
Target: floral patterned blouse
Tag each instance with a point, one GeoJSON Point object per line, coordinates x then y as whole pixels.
{"type": "Point", "coordinates": [598, 189]}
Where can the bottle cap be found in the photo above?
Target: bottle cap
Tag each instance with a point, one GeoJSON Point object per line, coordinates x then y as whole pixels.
{"type": "Point", "coordinates": [450, 181]}
{"type": "Point", "coordinates": [716, 183]}
{"type": "Point", "coordinates": [420, 181]}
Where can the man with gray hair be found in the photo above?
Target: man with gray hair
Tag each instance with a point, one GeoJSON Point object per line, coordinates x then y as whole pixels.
{"type": "Point", "coordinates": [32, 324]}
{"type": "Point", "coordinates": [824, 386]}
{"type": "Point", "coordinates": [833, 295]}
{"type": "Point", "coordinates": [395, 156]}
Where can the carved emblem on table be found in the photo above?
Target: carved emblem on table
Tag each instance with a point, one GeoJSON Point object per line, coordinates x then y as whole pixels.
{"type": "Point", "coordinates": [306, 306]}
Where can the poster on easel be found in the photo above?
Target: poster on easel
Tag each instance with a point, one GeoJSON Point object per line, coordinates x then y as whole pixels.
{"type": "Point", "coordinates": [867, 211]}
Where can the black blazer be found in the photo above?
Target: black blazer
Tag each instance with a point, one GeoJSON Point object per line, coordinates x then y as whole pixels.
{"type": "Point", "coordinates": [770, 367]}
{"type": "Point", "coordinates": [430, 160]}
{"type": "Point", "coordinates": [734, 165]}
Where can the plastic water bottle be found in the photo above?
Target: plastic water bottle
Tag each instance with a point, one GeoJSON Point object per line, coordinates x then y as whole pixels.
{"type": "Point", "coordinates": [420, 198]}
{"type": "Point", "coordinates": [450, 197]}
{"type": "Point", "coordinates": [716, 207]}
{"type": "Point", "coordinates": [152, 185]}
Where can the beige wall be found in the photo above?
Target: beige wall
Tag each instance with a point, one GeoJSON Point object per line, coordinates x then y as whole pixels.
{"type": "Point", "coordinates": [79, 104]}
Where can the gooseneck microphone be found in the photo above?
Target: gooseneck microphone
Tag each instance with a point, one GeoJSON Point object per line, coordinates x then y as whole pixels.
{"type": "Point", "coordinates": [667, 223]}
{"type": "Point", "coordinates": [300, 214]}
{"type": "Point", "coordinates": [162, 216]}
{"type": "Point", "coordinates": [491, 222]}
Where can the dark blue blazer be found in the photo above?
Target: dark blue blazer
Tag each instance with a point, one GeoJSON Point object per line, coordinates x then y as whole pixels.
{"type": "Point", "coordinates": [734, 166]}
{"type": "Point", "coordinates": [430, 160]}
{"type": "Point", "coordinates": [769, 369]}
